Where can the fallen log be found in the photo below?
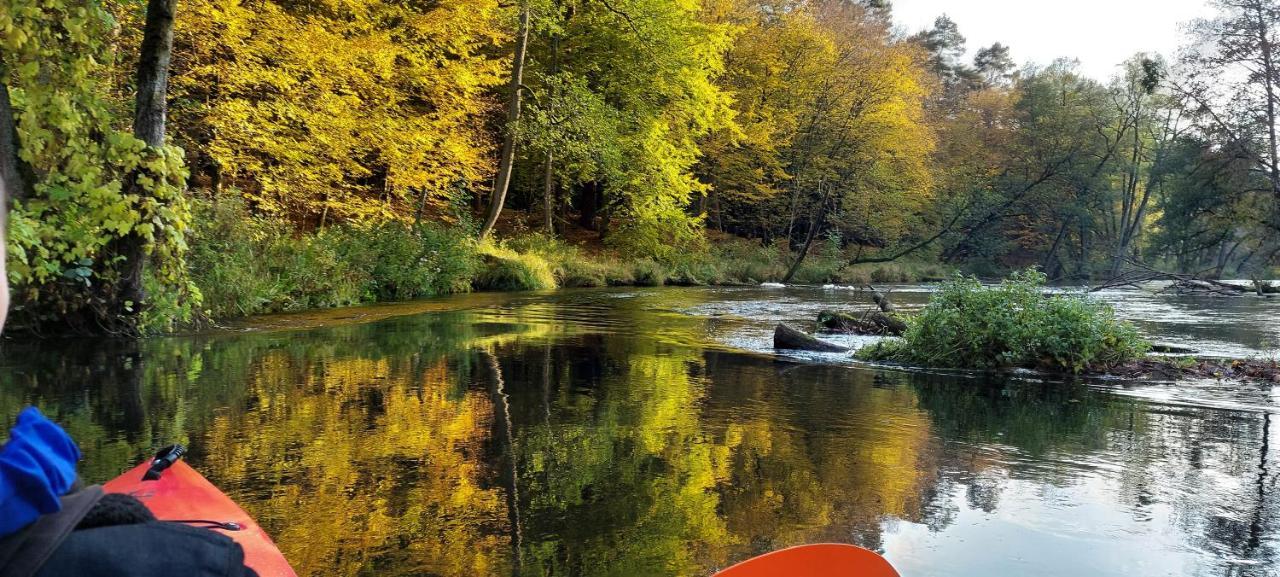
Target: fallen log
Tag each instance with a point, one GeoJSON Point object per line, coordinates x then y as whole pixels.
{"type": "Point", "coordinates": [1182, 284]}
{"type": "Point", "coordinates": [1205, 287]}
{"type": "Point", "coordinates": [1264, 288]}
{"type": "Point", "coordinates": [787, 338]}
{"type": "Point", "coordinates": [870, 323]}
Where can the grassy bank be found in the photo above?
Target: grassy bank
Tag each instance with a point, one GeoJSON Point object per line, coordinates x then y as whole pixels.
{"type": "Point", "coordinates": [245, 265]}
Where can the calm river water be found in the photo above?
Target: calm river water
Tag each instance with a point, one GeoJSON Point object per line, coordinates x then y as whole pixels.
{"type": "Point", "coordinates": [637, 432]}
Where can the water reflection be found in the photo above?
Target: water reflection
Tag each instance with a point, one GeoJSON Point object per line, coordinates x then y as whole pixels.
{"type": "Point", "coordinates": [607, 433]}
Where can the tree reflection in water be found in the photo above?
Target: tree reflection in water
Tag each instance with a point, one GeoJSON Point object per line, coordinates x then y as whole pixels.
{"type": "Point", "coordinates": [581, 435]}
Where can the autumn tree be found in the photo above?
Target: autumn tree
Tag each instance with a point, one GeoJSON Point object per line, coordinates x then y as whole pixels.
{"type": "Point", "coordinates": [1037, 200]}
{"type": "Point", "coordinates": [339, 111]}
{"type": "Point", "coordinates": [835, 142]}
{"type": "Point", "coordinates": [633, 80]}
{"type": "Point", "coordinates": [507, 157]}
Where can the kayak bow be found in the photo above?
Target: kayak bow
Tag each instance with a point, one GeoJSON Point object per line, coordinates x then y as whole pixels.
{"type": "Point", "coordinates": [823, 560]}
{"type": "Point", "coordinates": [179, 493]}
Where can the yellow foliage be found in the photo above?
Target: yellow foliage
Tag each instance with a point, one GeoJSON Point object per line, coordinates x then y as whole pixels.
{"type": "Point", "coordinates": [338, 110]}
{"type": "Point", "coordinates": [824, 96]}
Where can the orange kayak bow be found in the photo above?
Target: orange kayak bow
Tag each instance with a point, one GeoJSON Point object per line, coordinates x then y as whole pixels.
{"type": "Point", "coordinates": [823, 560]}
{"type": "Point", "coordinates": [176, 492]}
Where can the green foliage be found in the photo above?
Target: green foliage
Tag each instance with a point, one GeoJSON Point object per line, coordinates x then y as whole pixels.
{"type": "Point", "coordinates": [624, 97]}
{"type": "Point", "coordinates": [94, 183]}
{"type": "Point", "coordinates": [823, 264]}
{"type": "Point", "coordinates": [750, 262]}
{"type": "Point", "coordinates": [895, 272]}
{"type": "Point", "coordinates": [246, 264]}
{"type": "Point", "coordinates": [968, 325]}
{"type": "Point", "coordinates": [404, 262]}
{"type": "Point", "coordinates": [649, 272]}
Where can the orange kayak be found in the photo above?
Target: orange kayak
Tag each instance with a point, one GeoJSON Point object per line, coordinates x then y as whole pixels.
{"type": "Point", "coordinates": [823, 560]}
{"type": "Point", "coordinates": [182, 494]}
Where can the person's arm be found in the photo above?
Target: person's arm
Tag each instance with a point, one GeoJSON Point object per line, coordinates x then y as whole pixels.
{"type": "Point", "coordinates": [37, 466]}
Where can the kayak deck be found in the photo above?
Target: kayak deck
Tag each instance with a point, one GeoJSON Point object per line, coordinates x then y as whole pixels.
{"type": "Point", "coordinates": [822, 560]}
{"type": "Point", "coordinates": [181, 493]}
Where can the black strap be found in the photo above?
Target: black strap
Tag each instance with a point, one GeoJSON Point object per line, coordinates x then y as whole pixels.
{"type": "Point", "coordinates": [23, 553]}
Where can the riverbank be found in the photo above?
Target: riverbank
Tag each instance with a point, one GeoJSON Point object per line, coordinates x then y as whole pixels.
{"type": "Point", "coordinates": [245, 265]}
{"type": "Point", "coordinates": [1174, 368]}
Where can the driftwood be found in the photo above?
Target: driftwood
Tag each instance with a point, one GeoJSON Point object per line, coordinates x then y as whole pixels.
{"type": "Point", "coordinates": [869, 323]}
{"type": "Point", "coordinates": [881, 300]}
{"type": "Point", "coordinates": [787, 338]}
{"type": "Point", "coordinates": [1179, 283]}
{"type": "Point", "coordinates": [1172, 349]}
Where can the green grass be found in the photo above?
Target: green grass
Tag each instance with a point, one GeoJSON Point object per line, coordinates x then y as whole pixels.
{"type": "Point", "coordinates": [244, 264]}
{"type": "Point", "coordinates": [506, 269]}
{"type": "Point", "coordinates": [968, 325]}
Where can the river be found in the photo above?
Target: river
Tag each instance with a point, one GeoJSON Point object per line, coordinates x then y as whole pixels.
{"type": "Point", "coordinates": [635, 432]}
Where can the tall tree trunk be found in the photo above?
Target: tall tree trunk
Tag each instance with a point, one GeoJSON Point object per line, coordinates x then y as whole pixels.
{"type": "Point", "coordinates": [422, 207]}
{"type": "Point", "coordinates": [149, 126]}
{"type": "Point", "coordinates": [16, 174]}
{"type": "Point", "coordinates": [548, 169]}
{"type": "Point", "coordinates": [1051, 265]}
{"type": "Point", "coordinates": [153, 72]}
{"type": "Point", "coordinates": [1129, 200]}
{"type": "Point", "coordinates": [1269, 75]}
{"type": "Point", "coordinates": [1221, 262]}
{"type": "Point", "coordinates": [549, 194]}
{"type": "Point", "coordinates": [1082, 270]}
{"type": "Point", "coordinates": [507, 161]}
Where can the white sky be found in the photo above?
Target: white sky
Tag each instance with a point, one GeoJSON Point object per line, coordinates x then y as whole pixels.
{"type": "Point", "coordinates": [1100, 33]}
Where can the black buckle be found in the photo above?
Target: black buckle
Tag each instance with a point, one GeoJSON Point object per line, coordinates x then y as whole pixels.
{"type": "Point", "coordinates": [164, 459]}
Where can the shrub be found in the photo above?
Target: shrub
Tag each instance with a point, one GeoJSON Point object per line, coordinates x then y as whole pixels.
{"type": "Point", "coordinates": [650, 272]}
{"type": "Point", "coordinates": [967, 325]}
{"type": "Point", "coordinates": [228, 259]}
{"type": "Point", "coordinates": [823, 263]}
{"type": "Point", "coordinates": [403, 262]}
{"type": "Point", "coordinates": [311, 272]}
{"type": "Point", "coordinates": [594, 271]}
{"type": "Point", "coordinates": [894, 272]}
{"type": "Point", "coordinates": [582, 274]}
{"type": "Point", "coordinates": [616, 272]}
{"type": "Point", "coordinates": [505, 269]}
{"type": "Point", "coordinates": [747, 261]}
{"type": "Point", "coordinates": [244, 264]}
{"type": "Point", "coordinates": [697, 269]}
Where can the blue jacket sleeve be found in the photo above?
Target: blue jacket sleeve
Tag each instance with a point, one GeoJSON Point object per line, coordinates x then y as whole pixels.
{"type": "Point", "coordinates": [37, 466]}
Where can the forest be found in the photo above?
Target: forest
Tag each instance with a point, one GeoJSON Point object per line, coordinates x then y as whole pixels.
{"type": "Point", "coordinates": [173, 163]}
